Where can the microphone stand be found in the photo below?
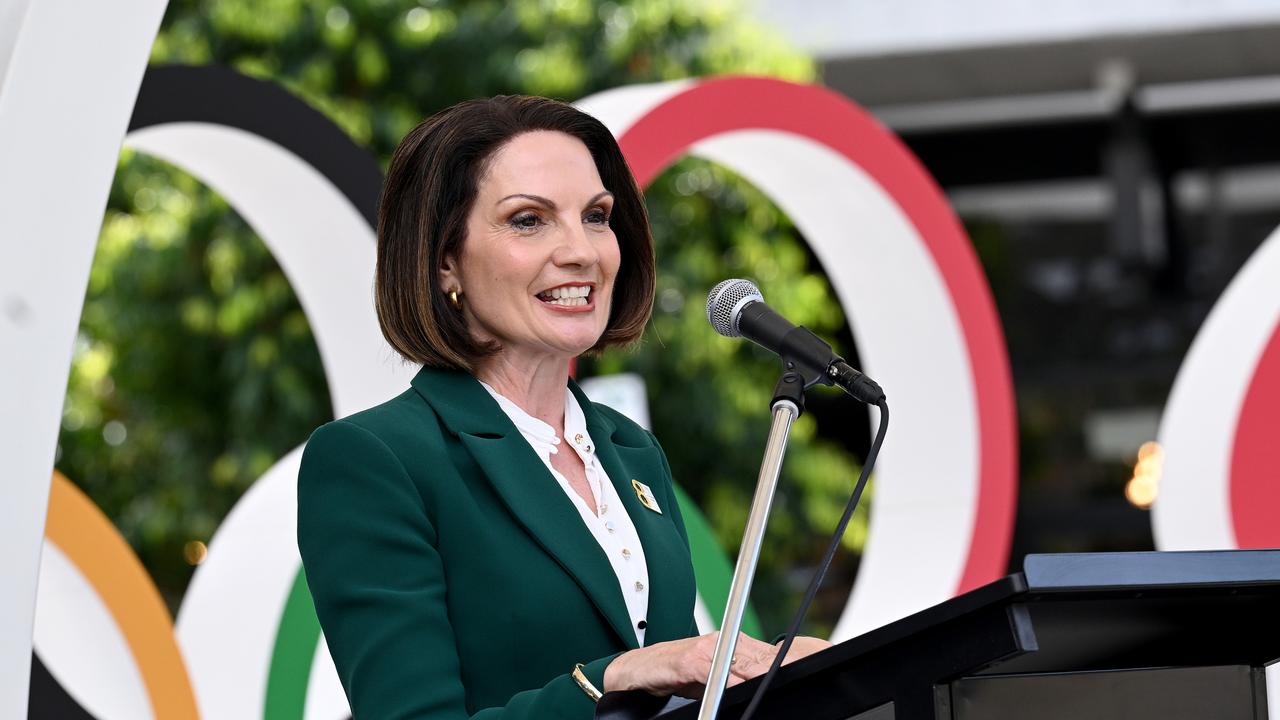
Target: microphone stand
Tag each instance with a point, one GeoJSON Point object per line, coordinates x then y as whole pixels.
{"type": "Point", "coordinates": [788, 403]}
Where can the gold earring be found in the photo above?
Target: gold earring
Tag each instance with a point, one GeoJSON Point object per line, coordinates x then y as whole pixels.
{"type": "Point", "coordinates": [453, 300]}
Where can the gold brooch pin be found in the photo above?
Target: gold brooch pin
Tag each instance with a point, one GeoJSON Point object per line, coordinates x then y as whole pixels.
{"type": "Point", "coordinates": [646, 496]}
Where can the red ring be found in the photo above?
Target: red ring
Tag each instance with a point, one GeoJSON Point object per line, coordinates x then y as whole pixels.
{"type": "Point", "coordinates": [1255, 455]}
{"type": "Point", "coordinates": [723, 105]}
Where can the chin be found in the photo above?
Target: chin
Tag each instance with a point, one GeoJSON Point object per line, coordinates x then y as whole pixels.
{"type": "Point", "coordinates": [577, 343]}
{"type": "Point", "coordinates": [576, 349]}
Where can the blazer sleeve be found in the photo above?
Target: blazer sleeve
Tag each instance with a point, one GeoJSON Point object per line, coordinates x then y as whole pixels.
{"type": "Point", "coordinates": [378, 582]}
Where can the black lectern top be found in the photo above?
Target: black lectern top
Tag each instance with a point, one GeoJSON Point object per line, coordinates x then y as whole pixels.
{"type": "Point", "coordinates": [1064, 613]}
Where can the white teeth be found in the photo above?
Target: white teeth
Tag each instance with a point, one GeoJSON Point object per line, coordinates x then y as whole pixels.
{"type": "Point", "coordinates": [576, 292]}
{"type": "Point", "coordinates": [568, 301]}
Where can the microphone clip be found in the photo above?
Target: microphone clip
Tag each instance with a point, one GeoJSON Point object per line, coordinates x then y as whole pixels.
{"type": "Point", "coordinates": [807, 360]}
{"type": "Point", "coordinates": [799, 374]}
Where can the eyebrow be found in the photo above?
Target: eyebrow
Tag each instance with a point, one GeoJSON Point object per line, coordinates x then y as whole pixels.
{"type": "Point", "coordinates": [548, 203]}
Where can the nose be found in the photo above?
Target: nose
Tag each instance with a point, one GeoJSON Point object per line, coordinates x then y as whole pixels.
{"type": "Point", "coordinates": [576, 247]}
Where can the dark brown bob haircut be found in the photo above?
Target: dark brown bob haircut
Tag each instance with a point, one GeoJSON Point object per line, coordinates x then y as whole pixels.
{"type": "Point", "coordinates": [422, 218]}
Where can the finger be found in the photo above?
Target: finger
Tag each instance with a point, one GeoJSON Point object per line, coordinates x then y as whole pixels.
{"type": "Point", "coordinates": [805, 646]}
{"type": "Point", "coordinates": [756, 653]}
{"type": "Point", "coordinates": [706, 644]}
{"type": "Point", "coordinates": [749, 667]}
{"type": "Point", "coordinates": [743, 666]}
{"type": "Point", "coordinates": [799, 649]}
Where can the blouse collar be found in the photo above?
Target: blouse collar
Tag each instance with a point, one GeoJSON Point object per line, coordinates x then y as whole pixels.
{"type": "Point", "coordinates": [539, 434]}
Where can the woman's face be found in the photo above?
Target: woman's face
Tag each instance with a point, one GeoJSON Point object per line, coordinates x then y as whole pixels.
{"type": "Point", "coordinates": [537, 267]}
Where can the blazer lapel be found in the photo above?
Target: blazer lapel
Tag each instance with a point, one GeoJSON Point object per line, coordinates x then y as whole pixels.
{"type": "Point", "coordinates": [530, 493]}
{"type": "Point", "coordinates": [671, 581]}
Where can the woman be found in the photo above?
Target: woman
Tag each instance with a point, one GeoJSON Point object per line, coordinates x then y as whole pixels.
{"type": "Point", "coordinates": [490, 543]}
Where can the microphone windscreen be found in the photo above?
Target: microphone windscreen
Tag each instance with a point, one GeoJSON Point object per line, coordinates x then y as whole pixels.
{"type": "Point", "coordinates": [725, 303]}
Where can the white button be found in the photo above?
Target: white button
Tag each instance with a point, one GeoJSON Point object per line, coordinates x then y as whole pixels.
{"type": "Point", "coordinates": [604, 509]}
{"type": "Point", "coordinates": [639, 586]}
{"type": "Point", "coordinates": [610, 527]}
{"type": "Point", "coordinates": [626, 553]}
{"type": "Point", "coordinates": [578, 438]}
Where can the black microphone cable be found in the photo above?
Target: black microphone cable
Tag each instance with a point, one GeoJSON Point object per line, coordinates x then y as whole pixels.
{"type": "Point", "coordinates": [821, 572]}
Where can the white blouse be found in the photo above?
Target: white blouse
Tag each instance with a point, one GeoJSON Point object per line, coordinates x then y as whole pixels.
{"type": "Point", "coordinates": [608, 521]}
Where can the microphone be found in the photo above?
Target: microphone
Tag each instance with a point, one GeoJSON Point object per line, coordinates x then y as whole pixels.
{"type": "Point", "coordinates": [735, 308]}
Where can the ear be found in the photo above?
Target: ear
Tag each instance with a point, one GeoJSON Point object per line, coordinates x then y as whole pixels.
{"type": "Point", "coordinates": [450, 278]}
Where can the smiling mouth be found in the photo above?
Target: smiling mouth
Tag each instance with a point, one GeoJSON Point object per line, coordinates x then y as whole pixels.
{"type": "Point", "coordinates": [567, 296]}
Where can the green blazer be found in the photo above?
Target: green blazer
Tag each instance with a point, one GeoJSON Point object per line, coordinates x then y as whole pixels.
{"type": "Point", "coordinates": [452, 576]}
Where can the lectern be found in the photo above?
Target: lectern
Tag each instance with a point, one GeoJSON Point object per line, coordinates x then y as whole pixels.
{"type": "Point", "coordinates": [1110, 636]}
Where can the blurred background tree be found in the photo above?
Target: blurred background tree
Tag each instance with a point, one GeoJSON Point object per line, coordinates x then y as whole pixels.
{"type": "Point", "coordinates": [195, 369]}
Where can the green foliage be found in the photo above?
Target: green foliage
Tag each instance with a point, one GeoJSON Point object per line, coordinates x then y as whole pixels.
{"type": "Point", "coordinates": [195, 369]}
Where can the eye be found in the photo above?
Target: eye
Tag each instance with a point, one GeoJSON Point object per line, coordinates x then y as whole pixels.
{"type": "Point", "coordinates": [596, 216]}
{"type": "Point", "coordinates": [525, 221]}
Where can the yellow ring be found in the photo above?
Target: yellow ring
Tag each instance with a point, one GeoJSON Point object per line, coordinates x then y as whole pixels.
{"type": "Point", "coordinates": [96, 548]}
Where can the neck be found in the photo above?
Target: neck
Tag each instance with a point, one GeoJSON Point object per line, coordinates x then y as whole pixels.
{"type": "Point", "coordinates": [537, 386]}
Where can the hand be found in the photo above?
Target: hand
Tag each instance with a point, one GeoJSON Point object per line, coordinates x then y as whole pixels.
{"type": "Point", "coordinates": [681, 667]}
{"type": "Point", "coordinates": [804, 646]}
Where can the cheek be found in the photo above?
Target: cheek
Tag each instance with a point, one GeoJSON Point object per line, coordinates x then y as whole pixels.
{"type": "Point", "coordinates": [499, 271]}
{"type": "Point", "coordinates": [491, 284]}
{"type": "Point", "coordinates": [611, 256]}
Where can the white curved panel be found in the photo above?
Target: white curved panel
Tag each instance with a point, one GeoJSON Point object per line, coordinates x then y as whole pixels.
{"type": "Point", "coordinates": [323, 244]}
{"type": "Point", "coordinates": [81, 645]}
{"type": "Point", "coordinates": [71, 71]}
{"type": "Point", "coordinates": [620, 108]}
{"type": "Point", "coordinates": [231, 611]}
{"type": "Point", "coordinates": [1197, 430]}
